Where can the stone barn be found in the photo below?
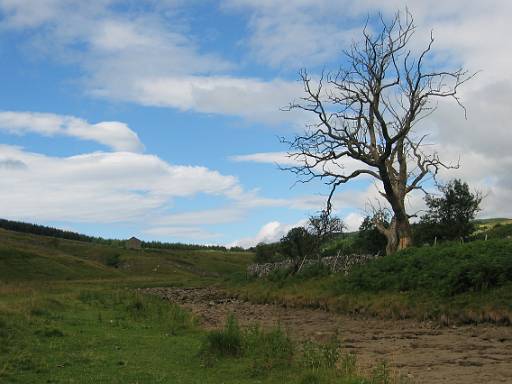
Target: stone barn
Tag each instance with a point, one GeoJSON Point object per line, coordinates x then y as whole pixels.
{"type": "Point", "coordinates": [133, 243]}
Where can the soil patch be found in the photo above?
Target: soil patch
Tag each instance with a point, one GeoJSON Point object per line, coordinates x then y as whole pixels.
{"type": "Point", "coordinates": [424, 352]}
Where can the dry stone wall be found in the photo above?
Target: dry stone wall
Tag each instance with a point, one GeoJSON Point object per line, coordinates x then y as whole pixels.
{"type": "Point", "coordinates": [338, 264]}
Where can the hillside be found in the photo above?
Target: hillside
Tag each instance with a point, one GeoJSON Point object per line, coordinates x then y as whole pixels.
{"type": "Point", "coordinates": [26, 256]}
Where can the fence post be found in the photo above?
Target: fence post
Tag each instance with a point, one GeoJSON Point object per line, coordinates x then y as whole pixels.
{"type": "Point", "coordinates": [335, 261]}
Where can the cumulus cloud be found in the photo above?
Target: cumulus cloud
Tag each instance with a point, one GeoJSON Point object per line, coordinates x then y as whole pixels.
{"type": "Point", "coordinates": [249, 98]}
{"type": "Point", "coordinates": [113, 134]}
{"type": "Point", "coordinates": [99, 187]}
{"type": "Point", "coordinates": [269, 233]}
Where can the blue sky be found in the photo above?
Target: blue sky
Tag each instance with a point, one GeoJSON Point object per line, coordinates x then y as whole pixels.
{"type": "Point", "coordinates": [161, 119]}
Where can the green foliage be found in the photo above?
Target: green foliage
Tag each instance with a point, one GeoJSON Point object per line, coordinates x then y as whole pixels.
{"type": "Point", "coordinates": [445, 270]}
{"type": "Point", "coordinates": [184, 247]}
{"type": "Point", "coordinates": [268, 253]}
{"type": "Point", "coordinates": [449, 216]}
{"type": "Point", "coordinates": [225, 342]}
{"type": "Point", "coordinates": [313, 270]}
{"type": "Point", "coordinates": [298, 244]}
{"type": "Point", "coordinates": [369, 239]}
{"type": "Point", "coordinates": [344, 244]}
{"type": "Point", "coordinates": [113, 260]}
{"type": "Point", "coordinates": [279, 275]}
{"type": "Point", "coordinates": [43, 230]}
{"type": "Point", "coordinates": [499, 231]}
{"type": "Point", "coordinates": [316, 356]}
{"type": "Point", "coordinates": [267, 349]}
{"type": "Point", "coordinates": [309, 271]}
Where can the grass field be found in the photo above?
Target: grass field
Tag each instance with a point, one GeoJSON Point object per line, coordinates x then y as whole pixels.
{"type": "Point", "coordinates": [69, 314]}
{"type": "Point", "coordinates": [69, 311]}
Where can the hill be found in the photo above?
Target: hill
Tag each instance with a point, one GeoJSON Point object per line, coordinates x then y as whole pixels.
{"type": "Point", "coordinates": [25, 256]}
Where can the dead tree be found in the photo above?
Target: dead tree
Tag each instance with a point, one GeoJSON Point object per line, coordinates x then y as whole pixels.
{"type": "Point", "coordinates": [367, 111]}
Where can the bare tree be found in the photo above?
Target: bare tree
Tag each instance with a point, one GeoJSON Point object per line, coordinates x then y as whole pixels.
{"type": "Point", "coordinates": [366, 113]}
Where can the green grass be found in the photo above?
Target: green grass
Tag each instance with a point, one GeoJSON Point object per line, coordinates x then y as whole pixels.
{"type": "Point", "coordinates": [25, 257]}
{"type": "Point", "coordinates": [68, 315]}
{"type": "Point", "coordinates": [62, 333]}
{"type": "Point", "coordinates": [452, 283]}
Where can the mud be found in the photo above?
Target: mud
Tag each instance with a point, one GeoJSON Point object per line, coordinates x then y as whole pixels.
{"type": "Point", "coordinates": [425, 353]}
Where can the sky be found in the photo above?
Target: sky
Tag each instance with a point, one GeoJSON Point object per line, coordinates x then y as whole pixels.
{"type": "Point", "coordinates": [162, 119]}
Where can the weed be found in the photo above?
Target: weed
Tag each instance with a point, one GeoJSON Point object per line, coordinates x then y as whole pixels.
{"type": "Point", "coordinates": [225, 342]}
{"type": "Point", "coordinates": [381, 374]}
{"type": "Point", "coordinates": [267, 349]}
{"type": "Point", "coordinates": [347, 364]}
{"type": "Point", "coordinates": [316, 356]}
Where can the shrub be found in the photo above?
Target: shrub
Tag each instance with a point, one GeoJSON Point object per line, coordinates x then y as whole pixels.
{"type": "Point", "coordinates": [444, 270]}
{"type": "Point", "coordinates": [113, 260]}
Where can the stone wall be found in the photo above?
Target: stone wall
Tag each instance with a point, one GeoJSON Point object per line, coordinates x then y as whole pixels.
{"type": "Point", "coordinates": [341, 263]}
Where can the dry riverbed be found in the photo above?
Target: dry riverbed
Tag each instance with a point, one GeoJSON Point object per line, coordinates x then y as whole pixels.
{"type": "Point", "coordinates": [424, 352]}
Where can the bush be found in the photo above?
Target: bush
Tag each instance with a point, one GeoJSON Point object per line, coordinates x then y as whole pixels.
{"type": "Point", "coordinates": [113, 260]}
{"type": "Point", "coordinates": [444, 270]}
{"type": "Point", "coordinates": [267, 253]}
{"type": "Point", "coordinates": [499, 231]}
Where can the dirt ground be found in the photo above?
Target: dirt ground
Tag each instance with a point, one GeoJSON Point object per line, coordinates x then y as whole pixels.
{"type": "Point", "coordinates": [423, 352]}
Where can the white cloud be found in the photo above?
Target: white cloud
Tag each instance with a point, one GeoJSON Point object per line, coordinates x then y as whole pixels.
{"type": "Point", "coordinates": [113, 134]}
{"type": "Point", "coordinates": [203, 217]}
{"type": "Point", "coordinates": [99, 187]}
{"type": "Point", "coordinates": [194, 233]}
{"type": "Point", "coordinates": [279, 158]}
{"type": "Point", "coordinates": [269, 233]}
{"type": "Point", "coordinates": [249, 98]}
{"type": "Point", "coordinates": [147, 58]}
{"type": "Point", "coordinates": [353, 221]}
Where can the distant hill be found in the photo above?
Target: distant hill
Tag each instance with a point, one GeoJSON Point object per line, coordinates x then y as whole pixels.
{"type": "Point", "coordinates": [43, 230]}
{"type": "Point", "coordinates": [25, 256]}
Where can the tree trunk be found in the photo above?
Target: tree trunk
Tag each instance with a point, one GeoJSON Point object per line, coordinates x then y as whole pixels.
{"type": "Point", "coordinates": [399, 232]}
{"type": "Point", "coordinates": [404, 234]}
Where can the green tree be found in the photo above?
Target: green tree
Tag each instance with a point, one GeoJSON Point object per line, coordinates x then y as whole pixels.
{"type": "Point", "coordinates": [267, 253]}
{"type": "Point", "coordinates": [369, 239]}
{"type": "Point", "coordinates": [298, 244]}
{"type": "Point", "coordinates": [450, 215]}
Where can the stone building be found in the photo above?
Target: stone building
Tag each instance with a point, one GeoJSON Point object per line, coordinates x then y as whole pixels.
{"type": "Point", "coordinates": [133, 243]}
